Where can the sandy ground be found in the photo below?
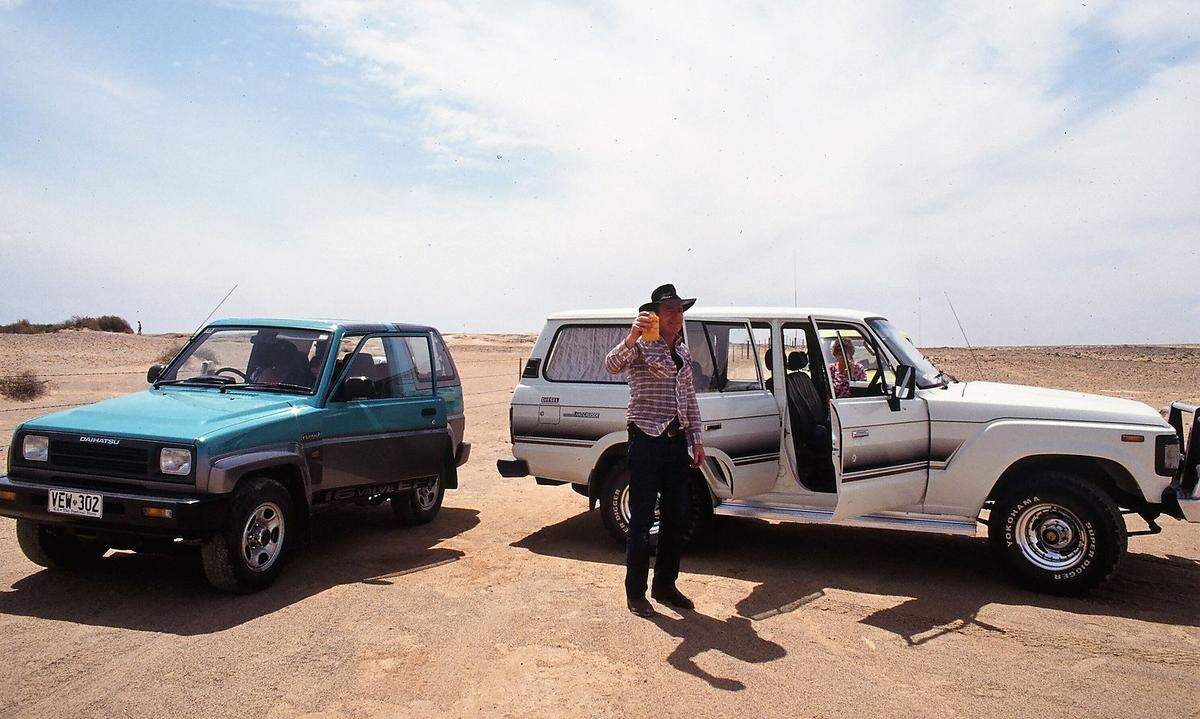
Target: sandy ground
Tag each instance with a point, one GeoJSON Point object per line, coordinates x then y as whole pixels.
{"type": "Point", "coordinates": [510, 603]}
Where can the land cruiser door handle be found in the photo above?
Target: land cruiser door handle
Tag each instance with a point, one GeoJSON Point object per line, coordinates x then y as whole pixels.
{"type": "Point", "coordinates": [429, 411]}
{"type": "Point", "coordinates": [712, 427]}
{"type": "Point", "coordinates": [860, 433]}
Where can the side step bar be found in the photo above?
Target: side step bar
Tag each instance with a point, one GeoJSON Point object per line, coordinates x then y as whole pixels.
{"type": "Point", "coordinates": [885, 520]}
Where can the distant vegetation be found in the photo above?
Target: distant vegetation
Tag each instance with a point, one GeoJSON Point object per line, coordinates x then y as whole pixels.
{"type": "Point", "coordinates": [23, 387]}
{"type": "Point", "coordinates": [106, 323]}
{"type": "Point", "coordinates": [203, 354]}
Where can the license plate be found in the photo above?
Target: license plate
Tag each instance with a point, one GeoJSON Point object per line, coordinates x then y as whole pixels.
{"type": "Point", "coordinates": [81, 504]}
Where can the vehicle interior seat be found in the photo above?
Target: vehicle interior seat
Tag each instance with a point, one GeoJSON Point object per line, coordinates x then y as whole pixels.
{"type": "Point", "coordinates": [809, 415]}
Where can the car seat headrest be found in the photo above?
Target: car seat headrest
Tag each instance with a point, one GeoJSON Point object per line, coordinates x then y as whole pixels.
{"type": "Point", "coordinates": [796, 361]}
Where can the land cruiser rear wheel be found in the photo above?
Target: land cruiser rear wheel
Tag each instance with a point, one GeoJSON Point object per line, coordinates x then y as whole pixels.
{"type": "Point", "coordinates": [246, 555]}
{"type": "Point", "coordinates": [1057, 533]}
{"type": "Point", "coordinates": [52, 548]}
{"type": "Point", "coordinates": [422, 504]}
{"type": "Point", "coordinates": [614, 508]}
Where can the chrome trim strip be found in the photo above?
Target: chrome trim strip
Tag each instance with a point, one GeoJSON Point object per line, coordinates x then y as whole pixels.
{"type": "Point", "coordinates": [815, 515]}
{"type": "Point", "coordinates": [562, 442]}
{"type": "Point", "coordinates": [883, 471]}
{"type": "Point", "coordinates": [755, 459]}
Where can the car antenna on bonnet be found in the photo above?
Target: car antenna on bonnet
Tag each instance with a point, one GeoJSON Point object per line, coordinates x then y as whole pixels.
{"type": "Point", "coordinates": [964, 334]}
{"type": "Point", "coordinates": [214, 310]}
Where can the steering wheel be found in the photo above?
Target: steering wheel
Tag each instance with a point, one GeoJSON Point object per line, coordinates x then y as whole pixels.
{"type": "Point", "coordinates": [235, 371]}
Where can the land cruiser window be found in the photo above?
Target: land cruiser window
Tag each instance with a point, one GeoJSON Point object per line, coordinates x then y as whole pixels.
{"type": "Point", "coordinates": [734, 355]}
{"type": "Point", "coordinates": [907, 353]}
{"type": "Point", "coordinates": [703, 369]}
{"type": "Point", "coordinates": [863, 361]}
{"type": "Point", "coordinates": [447, 376]}
{"type": "Point", "coordinates": [266, 358]}
{"type": "Point", "coordinates": [578, 351]}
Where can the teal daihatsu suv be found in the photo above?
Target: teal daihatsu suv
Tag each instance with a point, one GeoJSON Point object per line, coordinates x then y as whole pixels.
{"type": "Point", "coordinates": [254, 425]}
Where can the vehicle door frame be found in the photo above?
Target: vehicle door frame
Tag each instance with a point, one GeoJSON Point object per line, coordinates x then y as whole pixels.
{"type": "Point", "coordinates": [426, 452]}
{"type": "Point", "coordinates": [900, 485]}
{"type": "Point", "coordinates": [734, 467]}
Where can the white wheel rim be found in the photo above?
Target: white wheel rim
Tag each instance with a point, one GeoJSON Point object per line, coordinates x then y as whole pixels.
{"type": "Point", "coordinates": [1051, 537]}
{"type": "Point", "coordinates": [262, 537]}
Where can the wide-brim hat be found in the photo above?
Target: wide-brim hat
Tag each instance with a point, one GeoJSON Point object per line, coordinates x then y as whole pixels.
{"type": "Point", "coordinates": [666, 293]}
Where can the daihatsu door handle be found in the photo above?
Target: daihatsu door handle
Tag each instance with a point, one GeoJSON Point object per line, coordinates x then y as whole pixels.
{"type": "Point", "coordinates": [860, 433]}
{"type": "Point", "coordinates": [429, 411]}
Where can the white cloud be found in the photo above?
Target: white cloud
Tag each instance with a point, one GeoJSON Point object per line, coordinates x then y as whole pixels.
{"type": "Point", "coordinates": [865, 136]}
{"type": "Point", "coordinates": [900, 150]}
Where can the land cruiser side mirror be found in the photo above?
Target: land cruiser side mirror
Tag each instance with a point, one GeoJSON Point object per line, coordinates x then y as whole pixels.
{"type": "Point", "coordinates": [355, 388]}
{"type": "Point", "coordinates": [905, 386]}
{"type": "Point", "coordinates": [154, 373]}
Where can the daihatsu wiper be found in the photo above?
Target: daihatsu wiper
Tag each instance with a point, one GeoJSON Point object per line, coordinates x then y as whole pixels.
{"type": "Point", "coordinates": [283, 386]}
{"type": "Point", "coordinates": [200, 380]}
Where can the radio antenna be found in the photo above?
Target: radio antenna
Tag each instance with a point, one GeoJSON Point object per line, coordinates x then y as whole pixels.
{"type": "Point", "coordinates": [214, 310]}
{"type": "Point", "coordinates": [970, 349]}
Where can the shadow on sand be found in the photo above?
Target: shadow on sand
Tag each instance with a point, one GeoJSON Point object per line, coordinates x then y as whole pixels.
{"type": "Point", "coordinates": [949, 579]}
{"type": "Point", "coordinates": [170, 594]}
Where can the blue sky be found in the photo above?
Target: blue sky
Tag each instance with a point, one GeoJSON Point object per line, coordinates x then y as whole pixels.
{"type": "Point", "coordinates": [478, 168]}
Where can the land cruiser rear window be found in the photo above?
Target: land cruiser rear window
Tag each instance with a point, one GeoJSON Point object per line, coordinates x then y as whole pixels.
{"type": "Point", "coordinates": [578, 351]}
{"type": "Point", "coordinates": [725, 356]}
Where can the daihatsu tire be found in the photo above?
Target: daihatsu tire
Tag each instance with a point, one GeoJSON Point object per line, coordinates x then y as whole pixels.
{"type": "Point", "coordinates": [1057, 533]}
{"type": "Point", "coordinates": [248, 553]}
{"type": "Point", "coordinates": [420, 505]}
{"type": "Point", "coordinates": [49, 547]}
{"type": "Point", "coordinates": [614, 509]}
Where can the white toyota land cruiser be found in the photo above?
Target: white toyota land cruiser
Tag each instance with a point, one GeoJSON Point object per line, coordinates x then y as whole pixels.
{"type": "Point", "coordinates": [895, 443]}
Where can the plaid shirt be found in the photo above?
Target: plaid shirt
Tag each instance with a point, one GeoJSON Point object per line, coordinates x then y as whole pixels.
{"type": "Point", "coordinates": [658, 393]}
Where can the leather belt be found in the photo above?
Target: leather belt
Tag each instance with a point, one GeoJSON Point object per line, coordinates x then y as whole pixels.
{"type": "Point", "coordinates": [672, 430]}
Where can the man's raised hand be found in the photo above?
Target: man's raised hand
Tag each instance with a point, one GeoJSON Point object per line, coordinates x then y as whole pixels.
{"type": "Point", "coordinates": [641, 323]}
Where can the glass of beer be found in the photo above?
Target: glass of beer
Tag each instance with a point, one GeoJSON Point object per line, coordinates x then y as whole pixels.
{"type": "Point", "coordinates": [651, 333]}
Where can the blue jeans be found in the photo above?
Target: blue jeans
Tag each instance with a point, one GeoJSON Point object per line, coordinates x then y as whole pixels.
{"type": "Point", "coordinates": [657, 471]}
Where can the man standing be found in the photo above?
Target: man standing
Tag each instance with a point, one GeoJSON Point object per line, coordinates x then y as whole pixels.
{"type": "Point", "coordinates": [664, 419]}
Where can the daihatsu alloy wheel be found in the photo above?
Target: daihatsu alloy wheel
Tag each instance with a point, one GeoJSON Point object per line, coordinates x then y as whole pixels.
{"type": "Point", "coordinates": [248, 552]}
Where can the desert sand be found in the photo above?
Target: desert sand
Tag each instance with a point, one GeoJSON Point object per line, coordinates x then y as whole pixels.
{"type": "Point", "coordinates": [510, 602]}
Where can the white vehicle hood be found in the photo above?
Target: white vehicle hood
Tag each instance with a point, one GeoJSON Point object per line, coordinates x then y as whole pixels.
{"type": "Point", "coordinates": [988, 401]}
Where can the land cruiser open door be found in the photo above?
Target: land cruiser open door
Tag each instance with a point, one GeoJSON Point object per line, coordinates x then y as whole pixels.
{"type": "Point", "coordinates": [880, 445]}
{"type": "Point", "coordinates": [739, 415]}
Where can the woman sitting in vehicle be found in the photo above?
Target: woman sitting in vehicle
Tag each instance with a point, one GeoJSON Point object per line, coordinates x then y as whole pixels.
{"type": "Point", "coordinates": [844, 369]}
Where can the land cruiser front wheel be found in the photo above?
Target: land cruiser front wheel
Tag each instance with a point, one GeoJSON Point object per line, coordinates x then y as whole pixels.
{"type": "Point", "coordinates": [52, 548]}
{"type": "Point", "coordinates": [247, 553]}
{"type": "Point", "coordinates": [1057, 533]}
{"type": "Point", "coordinates": [614, 508]}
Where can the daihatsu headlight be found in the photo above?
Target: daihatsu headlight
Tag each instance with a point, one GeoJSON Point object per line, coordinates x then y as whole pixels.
{"type": "Point", "coordinates": [175, 461]}
{"type": "Point", "coordinates": [35, 448]}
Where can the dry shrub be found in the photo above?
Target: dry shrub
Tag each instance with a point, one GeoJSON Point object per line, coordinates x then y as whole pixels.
{"type": "Point", "coordinates": [104, 323]}
{"type": "Point", "coordinates": [23, 387]}
{"type": "Point", "coordinates": [204, 354]}
{"type": "Point", "coordinates": [169, 354]}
